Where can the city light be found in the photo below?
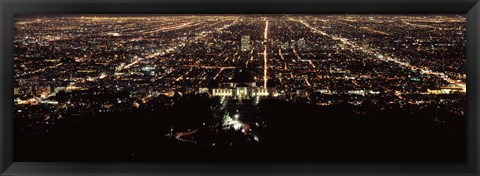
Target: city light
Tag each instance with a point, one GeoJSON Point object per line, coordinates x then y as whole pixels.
{"type": "Point", "coordinates": [230, 80]}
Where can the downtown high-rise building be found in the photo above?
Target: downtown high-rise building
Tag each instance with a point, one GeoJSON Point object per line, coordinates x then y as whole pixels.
{"type": "Point", "coordinates": [246, 45]}
{"type": "Point", "coordinates": [301, 44]}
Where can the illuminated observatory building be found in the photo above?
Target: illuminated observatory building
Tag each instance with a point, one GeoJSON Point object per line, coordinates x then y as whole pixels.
{"type": "Point", "coordinates": [243, 86]}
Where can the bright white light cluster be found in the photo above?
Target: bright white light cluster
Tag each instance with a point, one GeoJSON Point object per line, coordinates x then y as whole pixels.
{"type": "Point", "coordinates": [235, 123]}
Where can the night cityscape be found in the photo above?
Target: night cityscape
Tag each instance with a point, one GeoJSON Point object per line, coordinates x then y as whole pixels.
{"type": "Point", "coordinates": [240, 88]}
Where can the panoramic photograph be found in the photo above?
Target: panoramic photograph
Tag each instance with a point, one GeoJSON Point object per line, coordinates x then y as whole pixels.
{"type": "Point", "coordinates": [240, 88]}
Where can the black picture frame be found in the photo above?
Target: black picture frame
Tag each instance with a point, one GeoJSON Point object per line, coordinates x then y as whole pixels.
{"type": "Point", "coordinates": [8, 8]}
